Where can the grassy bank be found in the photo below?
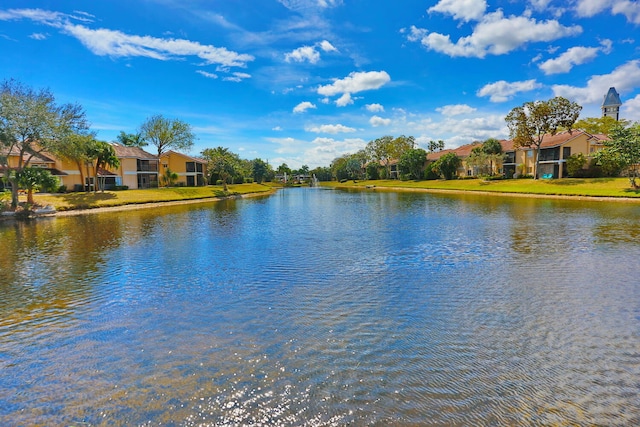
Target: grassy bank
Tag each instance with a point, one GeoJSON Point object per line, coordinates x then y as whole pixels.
{"type": "Point", "coordinates": [71, 201]}
{"type": "Point", "coordinates": [592, 187]}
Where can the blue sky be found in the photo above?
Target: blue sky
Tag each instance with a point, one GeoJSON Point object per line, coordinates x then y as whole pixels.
{"type": "Point", "coordinates": [305, 81]}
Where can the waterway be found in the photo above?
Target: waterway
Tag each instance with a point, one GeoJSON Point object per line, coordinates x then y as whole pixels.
{"type": "Point", "coordinates": [319, 307]}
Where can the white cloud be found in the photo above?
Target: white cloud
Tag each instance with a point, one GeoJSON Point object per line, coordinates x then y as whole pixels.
{"type": "Point", "coordinates": [356, 82]}
{"type": "Point", "coordinates": [465, 10]}
{"type": "Point", "coordinates": [502, 90]}
{"type": "Point", "coordinates": [207, 74]}
{"type": "Point", "coordinates": [277, 128]}
{"type": "Point", "coordinates": [630, 9]}
{"type": "Point", "coordinates": [38, 36]}
{"type": "Point", "coordinates": [327, 47]}
{"type": "Point", "coordinates": [375, 108]}
{"type": "Point", "coordinates": [303, 106]}
{"type": "Point", "coordinates": [332, 129]}
{"type": "Point", "coordinates": [495, 34]}
{"type": "Point", "coordinates": [304, 53]}
{"type": "Point", "coordinates": [106, 42]}
{"type": "Point", "coordinates": [574, 56]}
{"type": "Point", "coordinates": [624, 78]}
{"type": "Point", "coordinates": [237, 77]}
{"type": "Point", "coordinates": [631, 109]}
{"type": "Point", "coordinates": [455, 110]}
{"type": "Point", "coordinates": [376, 121]}
{"type": "Point", "coordinates": [344, 100]}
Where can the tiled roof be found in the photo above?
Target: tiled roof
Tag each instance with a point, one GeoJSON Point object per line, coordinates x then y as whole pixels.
{"type": "Point", "coordinates": [132, 152]}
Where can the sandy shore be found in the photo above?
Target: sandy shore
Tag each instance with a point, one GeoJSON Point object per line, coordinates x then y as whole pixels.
{"type": "Point", "coordinates": [151, 205]}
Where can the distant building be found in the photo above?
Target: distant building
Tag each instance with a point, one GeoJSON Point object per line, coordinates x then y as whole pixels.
{"type": "Point", "coordinates": [611, 104]}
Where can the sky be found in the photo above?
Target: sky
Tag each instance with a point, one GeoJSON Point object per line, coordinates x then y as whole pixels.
{"type": "Point", "coordinates": [302, 82]}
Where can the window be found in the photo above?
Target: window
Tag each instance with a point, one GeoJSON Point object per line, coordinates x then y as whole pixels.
{"type": "Point", "coordinates": [566, 152]}
{"type": "Point", "coordinates": [529, 154]}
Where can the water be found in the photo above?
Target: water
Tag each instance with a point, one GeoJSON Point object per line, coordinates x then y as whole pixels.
{"type": "Point", "coordinates": [325, 308]}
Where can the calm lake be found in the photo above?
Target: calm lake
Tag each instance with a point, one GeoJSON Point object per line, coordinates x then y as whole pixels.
{"type": "Point", "coordinates": [325, 308]}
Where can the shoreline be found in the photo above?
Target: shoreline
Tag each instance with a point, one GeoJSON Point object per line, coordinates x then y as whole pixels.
{"type": "Point", "coordinates": [149, 205]}
{"type": "Point", "coordinates": [136, 206]}
{"type": "Point", "coordinates": [492, 193]}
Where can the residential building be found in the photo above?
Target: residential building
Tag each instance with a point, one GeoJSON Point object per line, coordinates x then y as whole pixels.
{"type": "Point", "coordinates": [554, 151]}
{"type": "Point", "coordinates": [191, 171]}
{"type": "Point", "coordinates": [138, 169]}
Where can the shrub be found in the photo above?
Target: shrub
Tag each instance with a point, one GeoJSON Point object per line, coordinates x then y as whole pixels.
{"type": "Point", "coordinates": [120, 187]}
{"type": "Point", "coordinates": [248, 180]}
{"type": "Point", "coordinates": [62, 189]}
{"type": "Point", "coordinates": [218, 182]}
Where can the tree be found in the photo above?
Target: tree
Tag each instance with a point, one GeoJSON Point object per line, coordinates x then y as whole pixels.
{"type": "Point", "coordinates": [478, 160]}
{"type": "Point", "coordinates": [222, 163]}
{"type": "Point", "coordinates": [260, 170]}
{"type": "Point", "coordinates": [447, 165]}
{"type": "Point", "coordinates": [610, 163]}
{"type": "Point", "coordinates": [35, 179]}
{"type": "Point", "coordinates": [75, 148]}
{"type": "Point", "coordinates": [104, 156]}
{"type": "Point", "coordinates": [598, 125]}
{"type": "Point", "coordinates": [435, 146]}
{"type": "Point", "coordinates": [529, 123]}
{"type": "Point", "coordinates": [412, 163]}
{"type": "Point", "coordinates": [387, 148]}
{"type": "Point", "coordinates": [131, 139]}
{"type": "Point", "coordinates": [167, 134]}
{"type": "Point", "coordinates": [284, 169]}
{"type": "Point", "coordinates": [625, 145]}
{"type": "Point", "coordinates": [31, 122]}
{"type": "Point", "coordinates": [575, 164]}
{"type": "Point", "coordinates": [168, 178]}
{"type": "Point", "coordinates": [493, 150]}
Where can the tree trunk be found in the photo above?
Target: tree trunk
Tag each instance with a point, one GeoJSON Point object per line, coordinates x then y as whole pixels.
{"type": "Point", "coordinates": [79, 164]}
{"type": "Point", "coordinates": [14, 192]}
{"type": "Point", "coordinates": [30, 196]}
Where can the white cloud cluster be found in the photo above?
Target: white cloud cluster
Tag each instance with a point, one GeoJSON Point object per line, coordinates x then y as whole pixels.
{"type": "Point", "coordinates": [304, 53]}
{"type": "Point", "coordinates": [309, 53]}
{"type": "Point", "coordinates": [377, 121]}
{"type": "Point", "coordinates": [354, 83]}
{"type": "Point", "coordinates": [374, 108]}
{"type": "Point", "coordinates": [624, 78]}
{"type": "Point", "coordinates": [455, 110]}
{"type": "Point", "coordinates": [331, 129]}
{"type": "Point", "coordinates": [502, 90]}
{"type": "Point", "coordinates": [629, 8]}
{"type": "Point", "coordinates": [106, 42]}
{"type": "Point", "coordinates": [303, 106]}
{"type": "Point", "coordinates": [494, 34]}
{"type": "Point", "coordinates": [576, 55]}
{"type": "Point", "coordinates": [464, 10]}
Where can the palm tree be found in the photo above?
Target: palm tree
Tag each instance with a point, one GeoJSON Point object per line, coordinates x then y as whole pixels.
{"type": "Point", "coordinates": [104, 156]}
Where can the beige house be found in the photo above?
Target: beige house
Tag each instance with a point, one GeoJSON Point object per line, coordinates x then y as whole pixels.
{"type": "Point", "coordinates": [554, 151]}
{"type": "Point", "coordinates": [191, 171]}
{"type": "Point", "coordinates": [138, 168]}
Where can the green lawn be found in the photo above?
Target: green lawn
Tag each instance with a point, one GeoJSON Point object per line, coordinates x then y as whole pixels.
{"type": "Point", "coordinates": [69, 201]}
{"type": "Point", "coordinates": [591, 187]}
